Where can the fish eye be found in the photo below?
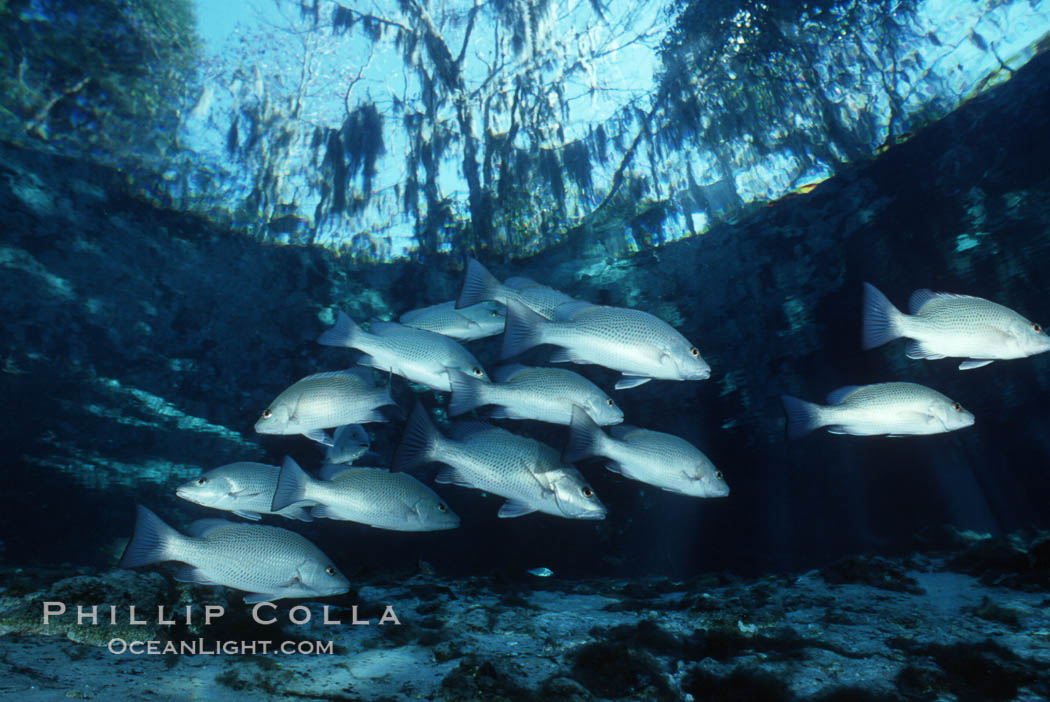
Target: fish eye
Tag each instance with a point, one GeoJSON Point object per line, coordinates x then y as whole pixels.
{"type": "Point", "coordinates": [442, 507]}
{"type": "Point", "coordinates": [694, 352]}
{"type": "Point", "coordinates": [1037, 329]}
{"type": "Point", "coordinates": [957, 407]}
{"type": "Point", "coordinates": [200, 481]}
{"type": "Point", "coordinates": [476, 371]}
{"type": "Point", "coordinates": [587, 491]}
{"type": "Point", "coordinates": [611, 403]}
{"type": "Point", "coordinates": [329, 570]}
{"type": "Point", "coordinates": [266, 413]}
{"type": "Point", "coordinates": [718, 475]}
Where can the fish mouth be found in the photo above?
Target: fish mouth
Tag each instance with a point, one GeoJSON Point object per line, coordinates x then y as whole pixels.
{"type": "Point", "coordinates": [593, 516]}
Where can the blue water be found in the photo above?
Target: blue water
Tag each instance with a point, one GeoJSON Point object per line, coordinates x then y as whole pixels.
{"type": "Point", "coordinates": [153, 310]}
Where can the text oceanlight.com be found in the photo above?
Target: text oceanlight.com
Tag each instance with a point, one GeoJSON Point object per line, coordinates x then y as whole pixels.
{"type": "Point", "coordinates": [200, 647]}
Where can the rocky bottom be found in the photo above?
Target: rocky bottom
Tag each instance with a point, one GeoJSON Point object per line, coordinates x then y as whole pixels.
{"type": "Point", "coordinates": [969, 621]}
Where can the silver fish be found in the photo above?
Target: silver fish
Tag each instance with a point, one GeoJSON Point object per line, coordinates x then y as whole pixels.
{"type": "Point", "coordinates": [652, 457]}
{"type": "Point", "coordinates": [372, 496]}
{"type": "Point", "coordinates": [325, 400]}
{"type": "Point", "coordinates": [480, 285]}
{"type": "Point", "coordinates": [896, 409]}
{"type": "Point", "coordinates": [244, 488]}
{"type": "Point", "coordinates": [268, 562]}
{"type": "Point", "coordinates": [416, 354]}
{"type": "Point", "coordinates": [467, 324]}
{"type": "Point", "coordinates": [543, 394]}
{"type": "Point", "coordinates": [349, 442]}
{"type": "Point", "coordinates": [942, 325]}
{"type": "Point", "coordinates": [636, 343]}
{"type": "Point", "coordinates": [526, 472]}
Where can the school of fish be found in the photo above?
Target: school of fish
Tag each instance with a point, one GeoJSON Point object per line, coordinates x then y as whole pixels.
{"type": "Point", "coordinates": [424, 347]}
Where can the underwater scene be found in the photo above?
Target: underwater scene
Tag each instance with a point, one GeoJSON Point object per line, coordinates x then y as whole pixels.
{"type": "Point", "coordinates": [519, 350]}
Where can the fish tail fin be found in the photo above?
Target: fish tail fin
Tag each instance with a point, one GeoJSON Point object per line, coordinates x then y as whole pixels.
{"type": "Point", "coordinates": [523, 330]}
{"type": "Point", "coordinates": [291, 485]}
{"type": "Point", "coordinates": [466, 392]}
{"type": "Point", "coordinates": [343, 333]}
{"type": "Point", "coordinates": [478, 286]}
{"type": "Point", "coordinates": [417, 442]}
{"type": "Point", "coordinates": [584, 437]}
{"type": "Point", "coordinates": [802, 417]}
{"type": "Point", "coordinates": [150, 542]}
{"type": "Point", "coordinates": [881, 319]}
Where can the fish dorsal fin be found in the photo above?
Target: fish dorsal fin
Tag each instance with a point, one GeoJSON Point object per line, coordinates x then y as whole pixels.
{"type": "Point", "coordinates": [835, 397]}
{"type": "Point", "coordinates": [203, 527]}
{"type": "Point", "coordinates": [567, 311]}
{"type": "Point", "coordinates": [386, 328]}
{"type": "Point", "coordinates": [623, 432]}
{"type": "Point", "coordinates": [334, 470]}
{"type": "Point", "coordinates": [520, 282]}
{"type": "Point", "coordinates": [921, 297]}
{"type": "Point", "coordinates": [364, 374]}
{"type": "Point", "coordinates": [505, 373]}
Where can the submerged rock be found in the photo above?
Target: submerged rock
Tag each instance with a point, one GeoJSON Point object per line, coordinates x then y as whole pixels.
{"type": "Point", "coordinates": [871, 570]}
{"type": "Point", "coordinates": [803, 641]}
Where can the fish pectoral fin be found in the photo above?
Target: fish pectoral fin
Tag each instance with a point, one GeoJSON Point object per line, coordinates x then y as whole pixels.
{"type": "Point", "coordinates": [320, 436]}
{"type": "Point", "coordinates": [192, 574]}
{"type": "Point", "coordinates": [257, 597]}
{"type": "Point", "coordinates": [615, 467]}
{"type": "Point", "coordinates": [837, 429]}
{"type": "Point", "coordinates": [450, 476]}
{"type": "Point", "coordinates": [915, 349]}
{"type": "Point", "coordinates": [630, 381]}
{"type": "Point", "coordinates": [971, 364]}
{"type": "Point", "coordinates": [513, 508]}
{"type": "Point", "coordinates": [254, 516]}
